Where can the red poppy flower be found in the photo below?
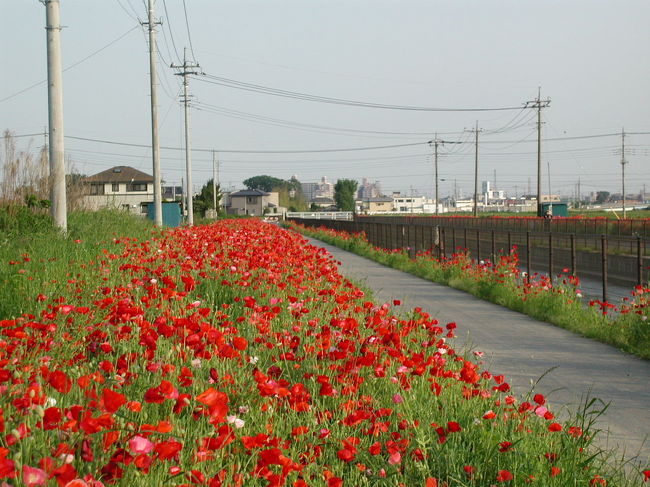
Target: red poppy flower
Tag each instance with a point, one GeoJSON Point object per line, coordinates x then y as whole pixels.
{"type": "Point", "coordinates": [111, 401]}
{"type": "Point", "coordinates": [504, 476]}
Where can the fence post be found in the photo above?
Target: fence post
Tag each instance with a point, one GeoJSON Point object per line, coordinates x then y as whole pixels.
{"type": "Point", "coordinates": [603, 247]}
{"type": "Point", "coordinates": [573, 254]}
{"type": "Point", "coordinates": [442, 242]}
{"type": "Point", "coordinates": [494, 250]}
{"type": "Point", "coordinates": [550, 256]}
{"type": "Point", "coordinates": [509, 242]}
{"type": "Point", "coordinates": [465, 239]}
{"type": "Point", "coordinates": [528, 256]}
{"type": "Point", "coordinates": [453, 239]}
{"type": "Point", "coordinates": [639, 261]}
{"type": "Point", "coordinates": [478, 245]}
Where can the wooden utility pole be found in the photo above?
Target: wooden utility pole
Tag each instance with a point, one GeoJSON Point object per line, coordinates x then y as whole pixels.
{"type": "Point", "coordinates": [59, 208]}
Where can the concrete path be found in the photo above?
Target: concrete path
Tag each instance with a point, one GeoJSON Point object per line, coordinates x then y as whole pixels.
{"type": "Point", "coordinates": [524, 349]}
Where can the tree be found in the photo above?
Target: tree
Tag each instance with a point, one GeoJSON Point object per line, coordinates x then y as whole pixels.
{"type": "Point", "coordinates": [344, 192]}
{"type": "Point", "coordinates": [290, 195]}
{"type": "Point", "coordinates": [204, 200]}
{"type": "Point", "coordinates": [602, 196]}
{"type": "Point", "coordinates": [264, 183]}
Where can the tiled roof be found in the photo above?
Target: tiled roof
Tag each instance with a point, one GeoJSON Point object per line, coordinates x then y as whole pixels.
{"type": "Point", "coordinates": [250, 192]}
{"type": "Point", "coordinates": [120, 174]}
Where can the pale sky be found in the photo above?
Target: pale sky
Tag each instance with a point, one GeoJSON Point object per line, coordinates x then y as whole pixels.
{"type": "Point", "coordinates": [590, 57]}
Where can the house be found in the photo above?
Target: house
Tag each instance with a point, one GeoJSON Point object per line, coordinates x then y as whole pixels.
{"type": "Point", "coordinates": [120, 187]}
{"type": "Point", "coordinates": [253, 202]}
{"type": "Point", "coordinates": [372, 206]}
{"type": "Point", "coordinates": [322, 203]}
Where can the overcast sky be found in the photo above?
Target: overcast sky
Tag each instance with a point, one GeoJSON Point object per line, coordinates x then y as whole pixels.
{"type": "Point", "coordinates": [590, 57]}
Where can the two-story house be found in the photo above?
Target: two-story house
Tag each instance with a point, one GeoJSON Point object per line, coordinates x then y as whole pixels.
{"type": "Point", "coordinates": [253, 202]}
{"type": "Point", "coordinates": [120, 187]}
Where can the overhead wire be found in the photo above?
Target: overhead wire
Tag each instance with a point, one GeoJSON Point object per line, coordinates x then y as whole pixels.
{"type": "Point", "coordinates": [291, 125]}
{"type": "Point", "coordinates": [73, 65]}
{"type": "Point", "coordinates": [244, 151]}
{"type": "Point", "coordinates": [171, 34]}
{"type": "Point", "coordinates": [231, 83]}
{"type": "Point", "coordinates": [189, 32]}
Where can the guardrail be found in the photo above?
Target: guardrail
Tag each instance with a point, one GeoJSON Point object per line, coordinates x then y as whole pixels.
{"type": "Point", "coordinates": [321, 215]}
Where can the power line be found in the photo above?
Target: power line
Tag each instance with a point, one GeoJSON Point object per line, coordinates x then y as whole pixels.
{"type": "Point", "coordinates": [231, 83]}
{"type": "Point", "coordinates": [169, 27]}
{"type": "Point", "coordinates": [94, 53]}
{"type": "Point", "coordinates": [301, 126]}
{"type": "Point", "coordinates": [189, 33]}
{"type": "Point", "coordinates": [238, 151]}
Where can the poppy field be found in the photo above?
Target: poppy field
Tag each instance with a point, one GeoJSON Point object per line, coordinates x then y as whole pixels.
{"type": "Point", "coordinates": [235, 354]}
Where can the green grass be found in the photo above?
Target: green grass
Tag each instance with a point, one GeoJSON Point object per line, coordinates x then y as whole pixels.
{"type": "Point", "coordinates": [35, 257]}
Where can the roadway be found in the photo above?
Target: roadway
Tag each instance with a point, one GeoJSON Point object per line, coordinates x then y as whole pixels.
{"type": "Point", "coordinates": [571, 367]}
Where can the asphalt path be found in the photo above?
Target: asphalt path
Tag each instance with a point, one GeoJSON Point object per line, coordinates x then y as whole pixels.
{"type": "Point", "coordinates": [569, 368]}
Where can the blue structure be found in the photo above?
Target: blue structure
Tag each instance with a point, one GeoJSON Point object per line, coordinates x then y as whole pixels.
{"type": "Point", "coordinates": [557, 209]}
{"type": "Point", "coordinates": [171, 213]}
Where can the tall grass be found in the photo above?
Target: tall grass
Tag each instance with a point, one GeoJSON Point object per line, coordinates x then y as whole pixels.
{"type": "Point", "coordinates": [35, 258]}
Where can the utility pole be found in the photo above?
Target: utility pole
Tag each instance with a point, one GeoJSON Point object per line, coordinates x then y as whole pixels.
{"type": "Point", "coordinates": [550, 202]}
{"type": "Point", "coordinates": [155, 143]}
{"type": "Point", "coordinates": [435, 142]}
{"type": "Point", "coordinates": [215, 176]}
{"type": "Point", "coordinates": [623, 162]}
{"type": "Point", "coordinates": [187, 69]}
{"type": "Point", "coordinates": [59, 209]}
{"type": "Point", "coordinates": [539, 104]}
{"type": "Point", "coordinates": [476, 132]}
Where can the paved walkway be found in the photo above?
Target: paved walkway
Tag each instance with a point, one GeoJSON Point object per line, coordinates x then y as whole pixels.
{"type": "Point", "coordinates": [524, 349]}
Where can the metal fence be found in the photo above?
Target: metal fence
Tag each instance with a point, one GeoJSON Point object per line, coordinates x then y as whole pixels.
{"type": "Point", "coordinates": [578, 226]}
{"type": "Point", "coordinates": [321, 215]}
{"type": "Point", "coordinates": [616, 259]}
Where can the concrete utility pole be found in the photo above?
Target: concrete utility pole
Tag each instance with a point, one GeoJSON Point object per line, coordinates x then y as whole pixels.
{"type": "Point", "coordinates": [623, 162]}
{"type": "Point", "coordinates": [539, 104]}
{"type": "Point", "coordinates": [215, 177]}
{"type": "Point", "coordinates": [155, 143]}
{"type": "Point", "coordinates": [59, 207]}
{"type": "Point", "coordinates": [476, 132]}
{"type": "Point", "coordinates": [435, 142]}
{"type": "Point", "coordinates": [187, 68]}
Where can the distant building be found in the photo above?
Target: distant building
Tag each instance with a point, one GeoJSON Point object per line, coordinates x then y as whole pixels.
{"type": "Point", "coordinates": [322, 189]}
{"type": "Point", "coordinates": [373, 206]}
{"type": "Point", "coordinates": [253, 202]}
{"type": "Point", "coordinates": [172, 193]}
{"type": "Point", "coordinates": [369, 190]}
{"type": "Point", "coordinates": [121, 187]}
{"type": "Point", "coordinates": [324, 203]}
